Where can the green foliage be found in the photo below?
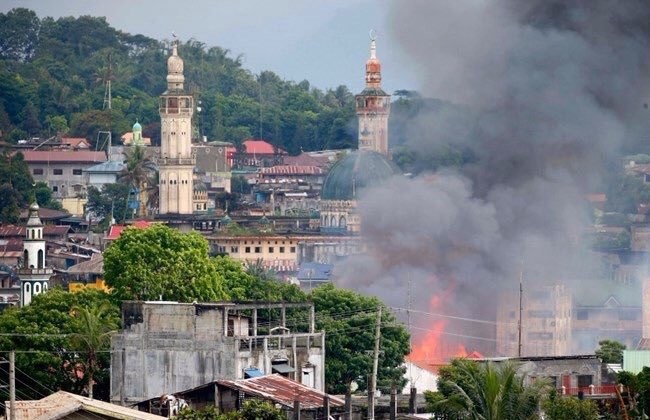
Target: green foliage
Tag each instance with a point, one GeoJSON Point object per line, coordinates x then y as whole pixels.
{"type": "Point", "coordinates": [348, 319]}
{"type": "Point", "coordinates": [252, 409]}
{"type": "Point", "coordinates": [611, 242]}
{"type": "Point", "coordinates": [43, 196]}
{"type": "Point", "coordinates": [610, 351]}
{"type": "Point", "coordinates": [625, 193]}
{"type": "Point", "coordinates": [50, 331]}
{"type": "Point", "coordinates": [16, 186]}
{"type": "Point", "coordinates": [111, 201]}
{"type": "Point", "coordinates": [52, 75]}
{"type": "Point", "coordinates": [469, 390]}
{"type": "Point", "coordinates": [562, 408]}
{"type": "Point", "coordinates": [147, 264]}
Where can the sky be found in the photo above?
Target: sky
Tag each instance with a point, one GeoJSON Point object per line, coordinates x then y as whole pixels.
{"type": "Point", "coordinates": [325, 43]}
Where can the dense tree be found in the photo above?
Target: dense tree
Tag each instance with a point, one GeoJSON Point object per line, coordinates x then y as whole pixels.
{"type": "Point", "coordinates": [562, 408]}
{"type": "Point", "coordinates": [161, 262]}
{"type": "Point", "coordinates": [16, 186]}
{"type": "Point", "coordinates": [44, 334]}
{"type": "Point", "coordinates": [348, 319]}
{"type": "Point", "coordinates": [110, 202]}
{"type": "Point", "coordinates": [469, 390]}
{"type": "Point", "coordinates": [138, 174]}
{"type": "Point", "coordinates": [19, 30]}
{"type": "Point", "coordinates": [252, 409]}
{"type": "Point", "coordinates": [610, 351]}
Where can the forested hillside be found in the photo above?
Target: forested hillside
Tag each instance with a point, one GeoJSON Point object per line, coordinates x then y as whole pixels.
{"type": "Point", "coordinates": [53, 74]}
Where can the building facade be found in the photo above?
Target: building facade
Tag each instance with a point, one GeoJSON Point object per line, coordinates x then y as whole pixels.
{"type": "Point", "coordinates": [168, 347]}
{"type": "Point", "coordinates": [176, 163]}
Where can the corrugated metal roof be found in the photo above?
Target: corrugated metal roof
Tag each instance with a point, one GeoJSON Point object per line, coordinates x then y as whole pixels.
{"type": "Point", "coordinates": [33, 156]}
{"type": "Point", "coordinates": [291, 170]}
{"type": "Point", "coordinates": [282, 391]}
{"type": "Point", "coordinates": [8, 231]}
{"type": "Point", "coordinates": [635, 360]}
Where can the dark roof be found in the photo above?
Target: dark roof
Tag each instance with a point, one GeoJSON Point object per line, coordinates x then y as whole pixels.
{"type": "Point", "coordinates": [314, 271]}
{"type": "Point", "coordinates": [354, 172]}
{"type": "Point", "coordinates": [373, 92]}
{"type": "Point", "coordinates": [8, 231]}
{"type": "Point", "coordinates": [45, 214]}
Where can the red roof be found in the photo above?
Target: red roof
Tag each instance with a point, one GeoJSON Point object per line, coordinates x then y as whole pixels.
{"type": "Point", "coordinates": [115, 231]}
{"type": "Point", "coordinates": [260, 147]}
{"type": "Point", "coordinates": [291, 170]}
{"type": "Point", "coordinates": [80, 156]}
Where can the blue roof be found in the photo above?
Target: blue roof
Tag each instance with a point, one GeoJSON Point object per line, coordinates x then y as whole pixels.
{"type": "Point", "coordinates": [252, 373]}
{"type": "Point", "coordinates": [110, 166]}
{"type": "Point", "coordinates": [314, 271]}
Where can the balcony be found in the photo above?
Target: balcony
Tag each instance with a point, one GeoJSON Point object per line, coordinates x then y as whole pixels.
{"type": "Point", "coordinates": [177, 161]}
{"type": "Point", "coordinates": [599, 390]}
{"type": "Point", "coordinates": [28, 271]}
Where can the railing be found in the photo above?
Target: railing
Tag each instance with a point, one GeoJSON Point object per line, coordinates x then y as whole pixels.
{"type": "Point", "coordinates": [46, 270]}
{"type": "Point", "coordinates": [176, 161]}
{"type": "Point", "coordinates": [276, 342]}
{"type": "Point", "coordinates": [588, 390]}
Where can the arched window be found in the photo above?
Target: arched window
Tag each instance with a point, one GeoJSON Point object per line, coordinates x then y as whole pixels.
{"type": "Point", "coordinates": [28, 289]}
{"type": "Point", "coordinates": [40, 234]}
{"type": "Point", "coordinates": [25, 258]}
{"type": "Point", "coordinates": [44, 286]}
{"type": "Point", "coordinates": [32, 233]}
{"type": "Point", "coordinates": [333, 222]}
{"type": "Point", "coordinates": [342, 222]}
{"type": "Point", "coordinates": [37, 288]}
{"type": "Point", "coordinates": [40, 258]}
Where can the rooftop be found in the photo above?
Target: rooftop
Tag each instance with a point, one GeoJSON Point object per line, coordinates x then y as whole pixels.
{"type": "Point", "coordinates": [63, 156]}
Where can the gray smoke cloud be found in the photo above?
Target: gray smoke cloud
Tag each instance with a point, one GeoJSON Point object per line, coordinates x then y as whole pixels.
{"type": "Point", "coordinates": [550, 91]}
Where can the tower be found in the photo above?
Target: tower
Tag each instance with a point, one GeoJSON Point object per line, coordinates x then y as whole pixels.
{"type": "Point", "coordinates": [137, 134]}
{"type": "Point", "coordinates": [34, 274]}
{"type": "Point", "coordinates": [176, 163]}
{"type": "Point", "coordinates": [373, 107]}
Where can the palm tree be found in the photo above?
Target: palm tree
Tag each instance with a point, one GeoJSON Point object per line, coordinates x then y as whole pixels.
{"type": "Point", "coordinates": [138, 175]}
{"type": "Point", "coordinates": [487, 392]}
{"type": "Point", "coordinates": [94, 326]}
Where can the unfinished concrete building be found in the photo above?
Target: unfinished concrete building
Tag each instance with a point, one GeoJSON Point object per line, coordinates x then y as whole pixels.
{"type": "Point", "coordinates": [167, 347]}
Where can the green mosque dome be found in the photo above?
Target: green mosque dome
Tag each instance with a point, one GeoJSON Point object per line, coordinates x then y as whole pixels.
{"type": "Point", "coordinates": [354, 172]}
{"type": "Point", "coordinates": [137, 126]}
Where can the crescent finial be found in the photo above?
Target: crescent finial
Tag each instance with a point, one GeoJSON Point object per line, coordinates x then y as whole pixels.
{"type": "Point", "coordinates": [373, 35]}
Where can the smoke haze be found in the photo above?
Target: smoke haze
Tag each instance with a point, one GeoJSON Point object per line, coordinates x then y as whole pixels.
{"type": "Point", "coordinates": [552, 90]}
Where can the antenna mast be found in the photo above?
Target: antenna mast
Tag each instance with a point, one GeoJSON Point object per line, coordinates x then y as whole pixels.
{"type": "Point", "coordinates": [108, 104]}
{"type": "Point", "coordinates": [521, 309]}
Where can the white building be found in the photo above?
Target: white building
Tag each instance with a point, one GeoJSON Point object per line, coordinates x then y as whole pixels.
{"type": "Point", "coordinates": [34, 274]}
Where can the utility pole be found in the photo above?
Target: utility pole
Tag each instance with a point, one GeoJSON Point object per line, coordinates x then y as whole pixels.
{"type": "Point", "coordinates": [372, 389]}
{"type": "Point", "coordinates": [12, 385]}
{"type": "Point", "coordinates": [521, 310]}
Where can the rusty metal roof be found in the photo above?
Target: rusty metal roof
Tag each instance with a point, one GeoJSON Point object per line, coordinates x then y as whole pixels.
{"type": "Point", "coordinates": [282, 391]}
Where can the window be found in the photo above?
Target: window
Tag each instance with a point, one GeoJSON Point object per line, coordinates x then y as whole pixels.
{"type": "Point", "coordinates": [582, 314]}
{"type": "Point", "coordinates": [553, 381]}
{"type": "Point", "coordinates": [258, 249]}
{"type": "Point", "coordinates": [585, 380]}
{"type": "Point", "coordinates": [292, 249]}
{"type": "Point", "coordinates": [76, 171]}
{"type": "Point", "coordinates": [38, 171]}
{"type": "Point", "coordinates": [55, 189]}
{"type": "Point", "coordinates": [626, 315]}
{"type": "Point", "coordinates": [540, 314]}
{"type": "Point", "coordinates": [270, 250]}
{"type": "Point", "coordinates": [57, 171]}
{"type": "Point", "coordinates": [247, 250]}
{"type": "Point", "coordinates": [281, 250]}
{"type": "Point", "coordinates": [234, 249]}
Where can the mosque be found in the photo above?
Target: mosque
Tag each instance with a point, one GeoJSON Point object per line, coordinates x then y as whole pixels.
{"type": "Point", "coordinates": [365, 167]}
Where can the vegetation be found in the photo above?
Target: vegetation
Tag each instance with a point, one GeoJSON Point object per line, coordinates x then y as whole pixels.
{"type": "Point", "coordinates": [52, 74]}
{"type": "Point", "coordinates": [162, 263]}
{"type": "Point", "coordinates": [60, 341]}
{"type": "Point", "coordinates": [638, 392]}
{"type": "Point", "coordinates": [610, 351]}
{"type": "Point", "coordinates": [348, 319]}
{"type": "Point", "coordinates": [559, 408]}
{"type": "Point", "coordinates": [469, 390]}
{"type": "Point", "coordinates": [252, 409]}
{"type": "Point", "coordinates": [139, 175]}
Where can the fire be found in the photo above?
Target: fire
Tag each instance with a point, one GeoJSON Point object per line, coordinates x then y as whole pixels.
{"type": "Point", "coordinates": [435, 346]}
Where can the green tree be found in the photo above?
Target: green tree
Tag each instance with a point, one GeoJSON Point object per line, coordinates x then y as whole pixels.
{"type": "Point", "coordinates": [348, 319]}
{"type": "Point", "coordinates": [138, 174]}
{"type": "Point", "coordinates": [93, 326]}
{"type": "Point", "coordinates": [16, 186]}
{"type": "Point", "coordinates": [110, 202]}
{"type": "Point", "coordinates": [18, 34]}
{"type": "Point", "coordinates": [562, 408]}
{"type": "Point", "coordinates": [252, 409]}
{"type": "Point", "coordinates": [610, 351]}
{"type": "Point", "coordinates": [43, 195]}
{"type": "Point", "coordinates": [469, 390]}
{"type": "Point", "coordinates": [147, 264]}
{"type": "Point", "coordinates": [42, 333]}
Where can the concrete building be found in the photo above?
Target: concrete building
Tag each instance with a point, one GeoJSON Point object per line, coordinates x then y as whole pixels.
{"type": "Point", "coordinates": [34, 273]}
{"type": "Point", "coordinates": [104, 173]}
{"type": "Point", "coordinates": [546, 322]}
{"type": "Point", "coordinates": [176, 163]}
{"type": "Point", "coordinates": [64, 171]}
{"type": "Point", "coordinates": [168, 347]}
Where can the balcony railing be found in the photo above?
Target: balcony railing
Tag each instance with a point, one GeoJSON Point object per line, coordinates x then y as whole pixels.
{"type": "Point", "coordinates": [176, 161]}
{"type": "Point", "coordinates": [589, 390]}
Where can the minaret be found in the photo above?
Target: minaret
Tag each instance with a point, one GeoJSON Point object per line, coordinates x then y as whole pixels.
{"type": "Point", "coordinates": [373, 107]}
{"type": "Point", "coordinates": [136, 134]}
{"type": "Point", "coordinates": [34, 274]}
{"type": "Point", "coordinates": [176, 163]}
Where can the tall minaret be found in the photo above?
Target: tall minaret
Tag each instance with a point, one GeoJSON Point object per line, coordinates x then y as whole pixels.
{"type": "Point", "coordinates": [176, 163]}
{"type": "Point", "coordinates": [373, 107]}
{"type": "Point", "coordinates": [34, 274]}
